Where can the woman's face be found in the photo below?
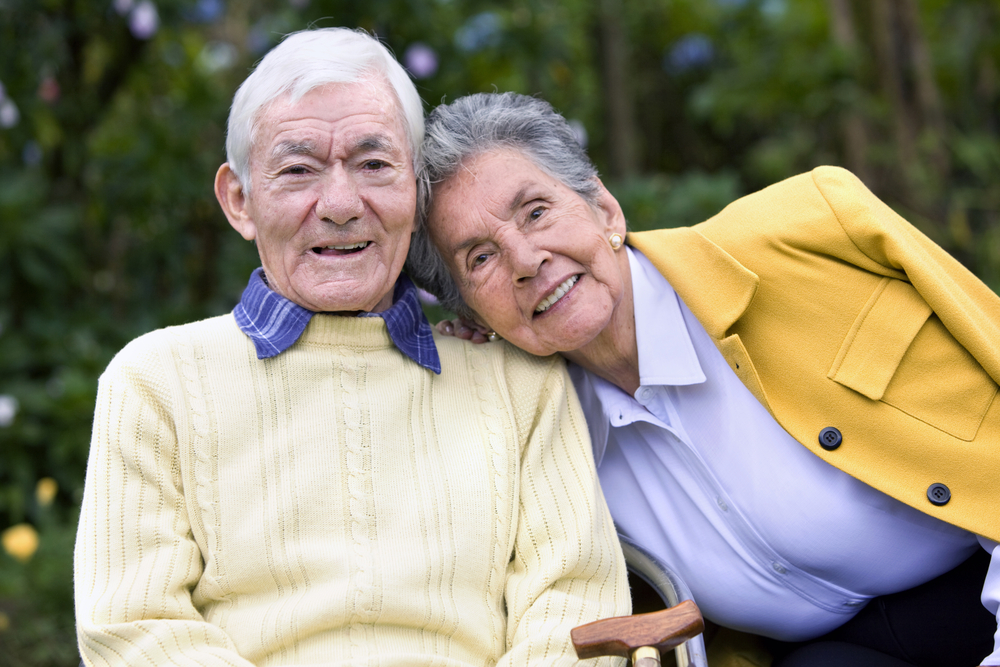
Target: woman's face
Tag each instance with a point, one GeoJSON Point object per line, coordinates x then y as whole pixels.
{"type": "Point", "coordinates": [530, 256]}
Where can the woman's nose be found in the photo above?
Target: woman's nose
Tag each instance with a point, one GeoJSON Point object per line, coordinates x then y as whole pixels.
{"type": "Point", "coordinates": [339, 200]}
{"type": "Point", "coordinates": [527, 259]}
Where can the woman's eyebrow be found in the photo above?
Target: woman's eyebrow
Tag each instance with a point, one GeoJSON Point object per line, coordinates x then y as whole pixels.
{"type": "Point", "coordinates": [515, 203]}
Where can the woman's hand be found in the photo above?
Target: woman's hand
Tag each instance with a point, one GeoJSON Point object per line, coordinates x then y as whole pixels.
{"type": "Point", "coordinates": [464, 329]}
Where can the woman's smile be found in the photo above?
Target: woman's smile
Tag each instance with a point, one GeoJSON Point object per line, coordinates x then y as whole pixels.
{"type": "Point", "coordinates": [556, 295]}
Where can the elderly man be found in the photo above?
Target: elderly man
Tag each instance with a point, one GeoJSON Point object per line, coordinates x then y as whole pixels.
{"type": "Point", "coordinates": [297, 482]}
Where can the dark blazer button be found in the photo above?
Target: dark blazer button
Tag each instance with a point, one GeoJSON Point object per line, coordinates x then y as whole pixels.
{"type": "Point", "coordinates": [830, 438]}
{"type": "Point", "coordinates": [938, 494]}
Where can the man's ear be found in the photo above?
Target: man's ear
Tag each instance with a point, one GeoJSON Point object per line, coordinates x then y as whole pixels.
{"type": "Point", "coordinates": [233, 201]}
{"type": "Point", "coordinates": [610, 210]}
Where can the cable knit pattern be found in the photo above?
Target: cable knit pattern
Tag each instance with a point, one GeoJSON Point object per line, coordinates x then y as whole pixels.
{"type": "Point", "coordinates": [338, 505]}
{"type": "Point", "coordinates": [488, 404]}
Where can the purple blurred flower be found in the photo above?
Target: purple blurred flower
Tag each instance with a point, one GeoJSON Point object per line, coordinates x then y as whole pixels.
{"type": "Point", "coordinates": [32, 153]}
{"type": "Point", "coordinates": [258, 40]}
{"type": "Point", "coordinates": [206, 11]}
{"type": "Point", "coordinates": [689, 52]}
{"type": "Point", "coordinates": [420, 60]}
{"type": "Point", "coordinates": [144, 20]}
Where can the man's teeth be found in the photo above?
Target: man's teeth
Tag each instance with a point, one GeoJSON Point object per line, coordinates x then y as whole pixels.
{"type": "Point", "coordinates": [353, 246]}
{"type": "Point", "coordinates": [556, 295]}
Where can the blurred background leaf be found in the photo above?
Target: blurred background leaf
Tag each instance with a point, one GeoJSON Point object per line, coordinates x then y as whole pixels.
{"type": "Point", "coordinates": [112, 122]}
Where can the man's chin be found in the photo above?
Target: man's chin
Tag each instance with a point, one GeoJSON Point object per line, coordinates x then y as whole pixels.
{"type": "Point", "coordinates": [348, 299]}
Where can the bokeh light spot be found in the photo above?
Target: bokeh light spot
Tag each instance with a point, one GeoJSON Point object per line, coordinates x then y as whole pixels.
{"type": "Point", "coordinates": [420, 60]}
{"type": "Point", "coordinates": [144, 20]}
{"type": "Point", "coordinates": [8, 410]}
{"type": "Point", "coordinates": [20, 541]}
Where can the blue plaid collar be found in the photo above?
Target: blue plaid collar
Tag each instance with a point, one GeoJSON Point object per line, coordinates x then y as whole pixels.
{"type": "Point", "coordinates": [274, 323]}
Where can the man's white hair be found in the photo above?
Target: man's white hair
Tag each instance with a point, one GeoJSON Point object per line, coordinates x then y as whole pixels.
{"type": "Point", "coordinates": [308, 59]}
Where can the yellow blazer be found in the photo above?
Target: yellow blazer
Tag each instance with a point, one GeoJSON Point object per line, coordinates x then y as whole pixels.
{"type": "Point", "coordinates": [836, 312]}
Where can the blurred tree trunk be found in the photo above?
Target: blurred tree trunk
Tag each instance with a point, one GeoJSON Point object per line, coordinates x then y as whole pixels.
{"type": "Point", "coordinates": [845, 36]}
{"type": "Point", "coordinates": [928, 97]}
{"type": "Point", "coordinates": [906, 78]}
{"type": "Point", "coordinates": [619, 112]}
{"type": "Point", "coordinates": [885, 33]}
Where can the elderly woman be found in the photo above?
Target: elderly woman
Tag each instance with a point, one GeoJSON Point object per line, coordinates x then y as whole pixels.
{"type": "Point", "coordinates": [792, 403]}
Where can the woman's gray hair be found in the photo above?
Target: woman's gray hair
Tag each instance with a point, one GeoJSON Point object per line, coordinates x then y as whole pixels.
{"type": "Point", "coordinates": [306, 60]}
{"type": "Point", "coordinates": [471, 126]}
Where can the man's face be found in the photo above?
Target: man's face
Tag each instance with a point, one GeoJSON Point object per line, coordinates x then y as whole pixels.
{"type": "Point", "coordinates": [332, 196]}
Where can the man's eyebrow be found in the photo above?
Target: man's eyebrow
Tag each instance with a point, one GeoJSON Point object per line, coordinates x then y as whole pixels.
{"type": "Point", "coordinates": [286, 148]}
{"type": "Point", "coordinates": [374, 142]}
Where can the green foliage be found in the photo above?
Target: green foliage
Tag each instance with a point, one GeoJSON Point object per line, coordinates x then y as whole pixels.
{"type": "Point", "coordinates": [109, 227]}
{"type": "Point", "coordinates": [659, 200]}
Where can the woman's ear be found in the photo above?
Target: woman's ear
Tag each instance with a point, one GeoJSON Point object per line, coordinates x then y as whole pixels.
{"type": "Point", "coordinates": [233, 201]}
{"type": "Point", "coordinates": [612, 216]}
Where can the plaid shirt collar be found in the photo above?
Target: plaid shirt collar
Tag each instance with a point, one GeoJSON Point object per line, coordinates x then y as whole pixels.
{"type": "Point", "coordinates": [274, 323]}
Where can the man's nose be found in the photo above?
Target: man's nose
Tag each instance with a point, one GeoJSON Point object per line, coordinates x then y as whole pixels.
{"type": "Point", "coordinates": [339, 200]}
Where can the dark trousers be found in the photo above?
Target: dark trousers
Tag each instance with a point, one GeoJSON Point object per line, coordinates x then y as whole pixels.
{"type": "Point", "coordinates": [941, 623]}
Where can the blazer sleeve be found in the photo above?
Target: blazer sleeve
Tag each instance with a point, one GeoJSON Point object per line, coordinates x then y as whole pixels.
{"type": "Point", "coordinates": [965, 305]}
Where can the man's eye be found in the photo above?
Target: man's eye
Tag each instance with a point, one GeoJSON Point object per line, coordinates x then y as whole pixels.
{"type": "Point", "coordinates": [296, 170]}
{"type": "Point", "coordinates": [374, 165]}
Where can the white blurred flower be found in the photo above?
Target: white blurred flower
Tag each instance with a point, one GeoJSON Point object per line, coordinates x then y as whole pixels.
{"type": "Point", "coordinates": [217, 56]}
{"type": "Point", "coordinates": [9, 115]}
{"type": "Point", "coordinates": [8, 410]}
{"type": "Point", "coordinates": [579, 132]}
{"type": "Point", "coordinates": [144, 20]}
{"type": "Point", "coordinates": [427, 297]}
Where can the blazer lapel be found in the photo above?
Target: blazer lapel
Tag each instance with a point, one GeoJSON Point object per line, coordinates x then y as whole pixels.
{"type": "Point", "coordinates": [716, 287]}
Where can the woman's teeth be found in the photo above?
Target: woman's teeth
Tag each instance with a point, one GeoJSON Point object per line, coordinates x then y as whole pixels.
{"type": "Point", "coordinates": [556, 295]}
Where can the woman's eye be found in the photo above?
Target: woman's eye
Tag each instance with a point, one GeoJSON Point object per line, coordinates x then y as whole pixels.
{"type": "Point", "coordinates": [479, 259]}
{"type": "Point", "coordinates": [536, 213]}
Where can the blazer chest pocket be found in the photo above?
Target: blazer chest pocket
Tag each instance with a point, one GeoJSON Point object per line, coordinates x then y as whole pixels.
{"type": "Point", "coordinates": [900, 353]}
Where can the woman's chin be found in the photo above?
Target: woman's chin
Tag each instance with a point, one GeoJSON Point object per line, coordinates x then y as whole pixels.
{"type": "Point", "coordinates": [545, 340]}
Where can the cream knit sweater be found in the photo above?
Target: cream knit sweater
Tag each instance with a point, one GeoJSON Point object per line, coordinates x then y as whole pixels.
{"type": "Point", "coordinates": [338, 505]}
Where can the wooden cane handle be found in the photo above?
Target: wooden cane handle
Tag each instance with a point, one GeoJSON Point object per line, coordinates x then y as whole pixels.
{"type": "Point", "coordinates": [621, 635]}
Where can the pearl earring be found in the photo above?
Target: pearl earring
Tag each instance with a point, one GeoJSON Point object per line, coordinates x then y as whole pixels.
{"type": "Point", "coordinates": [492, 336]}
{"type": "Point", "coordinates": [615, 240]}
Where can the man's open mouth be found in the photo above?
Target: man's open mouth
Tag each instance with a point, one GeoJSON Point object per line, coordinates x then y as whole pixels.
{"type": "Point", "coordinates": [345, 249]}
